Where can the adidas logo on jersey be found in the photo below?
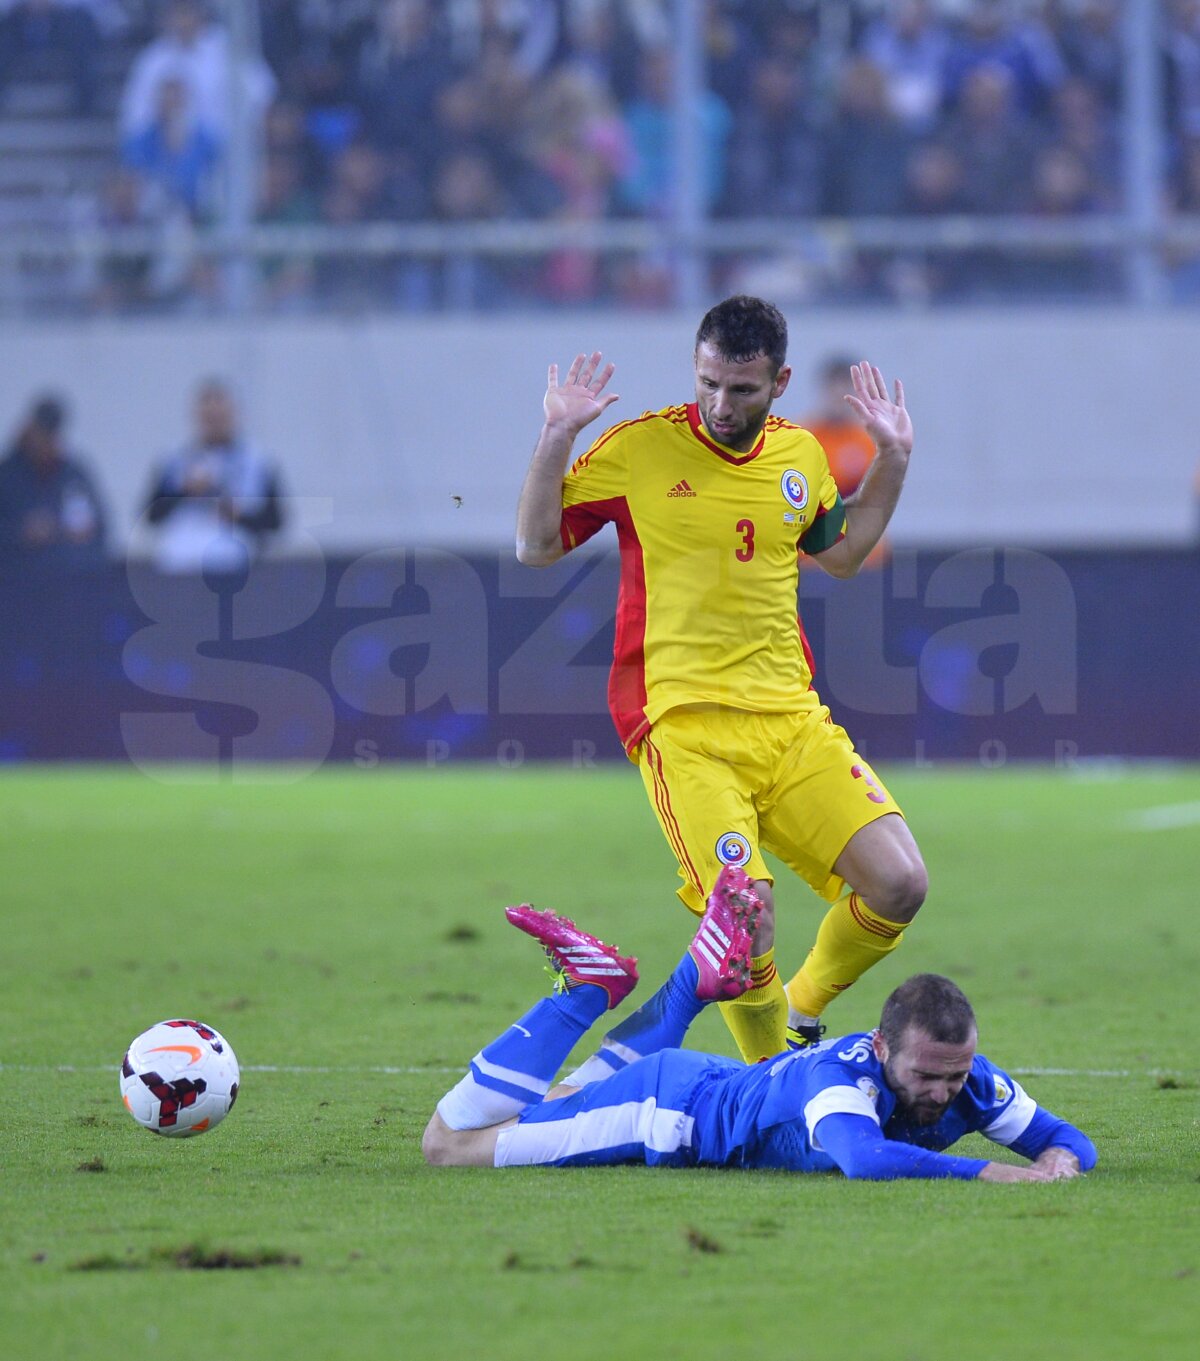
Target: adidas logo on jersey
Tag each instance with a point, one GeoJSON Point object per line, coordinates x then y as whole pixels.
{"type": "Point", "coordinates": [681, 489]}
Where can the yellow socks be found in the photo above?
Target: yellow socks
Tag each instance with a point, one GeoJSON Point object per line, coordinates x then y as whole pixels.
{"type": "Point", "coordinates": [758, 1018]}
{"type": "Point", "coordinates": [850, 940]}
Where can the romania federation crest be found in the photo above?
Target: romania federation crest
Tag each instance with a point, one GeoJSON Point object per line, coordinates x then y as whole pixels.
{"type": "Point", "coordinates": [733, 849]}
{"type": "Point", "coordinates": [794, 486]}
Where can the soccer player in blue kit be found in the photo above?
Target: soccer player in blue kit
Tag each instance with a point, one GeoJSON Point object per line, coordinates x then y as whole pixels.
{"type": "Point", "coordinates": [878, 1105]}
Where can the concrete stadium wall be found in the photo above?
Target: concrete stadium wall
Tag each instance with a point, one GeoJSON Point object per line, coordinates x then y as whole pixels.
{"type": "Point", "coordinates": [1034, 427]}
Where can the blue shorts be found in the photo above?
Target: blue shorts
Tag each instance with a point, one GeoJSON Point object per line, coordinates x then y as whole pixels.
{"type": "Point", "coordinates": [642, 1114]}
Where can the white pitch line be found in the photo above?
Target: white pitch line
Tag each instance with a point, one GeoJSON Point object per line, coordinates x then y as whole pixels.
{"type": "Point", "coordinates": [389, 1071]}
{"type": "Point", "coordinates": [1164, 817]}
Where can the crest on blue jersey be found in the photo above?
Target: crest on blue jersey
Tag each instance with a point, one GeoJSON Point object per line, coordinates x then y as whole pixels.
{"type": "Point", "coordinates": [733, 849]}
{"type": "Point", "coordinates": [867, 1087]}
{"type": "Point", "coordinates": [794, 486]}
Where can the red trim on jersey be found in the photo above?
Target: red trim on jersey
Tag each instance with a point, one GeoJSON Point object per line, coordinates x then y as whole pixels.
{"type": "Point", "coordinates": [662, 798]}
{"type": "Point", "coordinates": [661, 804]}
{"type": "Point", "coordinates": [808, 652]}
{"type": "Point", "coordinates": [579, 523]}
{"type": "Point", "coordinates": [697, 429]}
{"type": "Point", "coordinates": [627, 679]}
{"type": "Point", "coordinates": [601, 440]}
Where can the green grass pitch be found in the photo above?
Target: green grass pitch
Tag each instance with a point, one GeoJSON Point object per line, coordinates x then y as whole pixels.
{"type": "Point", "coordinates": [351, 922]}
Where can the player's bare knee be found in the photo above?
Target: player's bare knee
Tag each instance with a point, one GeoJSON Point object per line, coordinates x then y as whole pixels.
{"type": "Point", "coordinates": [904, 892]}
{"type": "Point", "coordinates": [437, 1143]}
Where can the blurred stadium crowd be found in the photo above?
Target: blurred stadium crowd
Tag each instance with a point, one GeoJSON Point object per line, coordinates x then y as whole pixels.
{"type": "Point", "coordinates": [115, 114]}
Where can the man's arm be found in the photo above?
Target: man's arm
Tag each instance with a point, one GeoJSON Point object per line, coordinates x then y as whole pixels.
{"type": "Point", "coordinates": [162, 500]}
{"type": "Point", "coordinates": [871, 507]}
{"type": "Point", "coordinates": [1053, 1144]}
{"type": "Point", "coordinates": [858, 1146]}
{"type": "Point", "coordinates": [568, 408]}
{"type": "Point", "coordinates": [268, 518]}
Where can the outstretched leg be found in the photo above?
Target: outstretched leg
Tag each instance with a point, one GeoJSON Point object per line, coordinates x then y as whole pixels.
{"type": "Point", "coordinates": [715, 967]}
{"type": "Point", "coordinates": [516, 1069]}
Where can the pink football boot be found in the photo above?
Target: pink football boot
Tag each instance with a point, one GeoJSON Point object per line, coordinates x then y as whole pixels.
{"type": "Point", "coordinates": [723, 946]}
{"type": "Point", "coordinates": [578, 956]}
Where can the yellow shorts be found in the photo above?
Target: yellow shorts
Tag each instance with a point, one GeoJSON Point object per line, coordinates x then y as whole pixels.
{"type": "Point", "coordinates": [726, 784]}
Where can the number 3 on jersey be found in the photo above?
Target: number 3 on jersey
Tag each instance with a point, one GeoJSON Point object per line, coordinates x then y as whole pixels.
{"type": "Point", "coordinates": [746, 551]}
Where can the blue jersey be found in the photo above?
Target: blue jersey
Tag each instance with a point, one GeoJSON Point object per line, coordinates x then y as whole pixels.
{"type": "Point", "coordinates": [681, 1108]}
{"type": "Point", "coordinates": [768, 1115]}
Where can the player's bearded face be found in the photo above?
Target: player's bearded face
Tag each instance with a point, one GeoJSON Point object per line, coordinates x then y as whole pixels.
{"type": "Point", "coordinates": [926, 1075]}
{"type": "Point", "coordinates": [734, 397]}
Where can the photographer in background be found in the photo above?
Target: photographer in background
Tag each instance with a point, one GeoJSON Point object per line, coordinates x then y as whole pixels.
{"type": "Point", "coordinates": [217, 500]}
{"type": "Point", "coordinates": [51, 515]}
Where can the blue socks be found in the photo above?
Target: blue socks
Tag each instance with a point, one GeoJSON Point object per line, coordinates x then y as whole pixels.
{"type": "Point", "coordinates": [659, 1023]}
{"type": "Point", "coordinates": [516, 1070]}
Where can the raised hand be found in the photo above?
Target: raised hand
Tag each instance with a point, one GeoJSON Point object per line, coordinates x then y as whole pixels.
{"type": "Point", "coordinates": [577, 401]}
{"type": "Point", "coordinates": [886, 421]}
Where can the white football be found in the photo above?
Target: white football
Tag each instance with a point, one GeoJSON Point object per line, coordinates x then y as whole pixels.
{"type": "Point", "coordinates": [179, 1078]}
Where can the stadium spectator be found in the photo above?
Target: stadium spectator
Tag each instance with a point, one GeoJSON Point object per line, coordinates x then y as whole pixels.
{"type": "Point", "coordinates": [729, 49]}
{"type": "Point", "coordinates": [649, 187]}
{"type": "Point", "coordinates": [527, 31]}
{"type": "Point", "coordinates": [581, 145]}
{"type": "Point", "coordinates": [196, 51]}
{"type": "Point", "coordinates": [151, 277]}
{"type": "Point", "coordinates": [993, 140]}
{"type": "Point", "coordinates": [215, 502]}
{"type": "Point", "coordinates": [1082, 123]}
{"type": "Point", "coordinates": [791, 35]}
{"type": "Point", "coordinates": [1089, 38]}
{"type": "Point", "coordinates": [1061, 187]}
{"type": "Point", "coordinates": [176, 151]}
{"type": "Point", "coordinates": [286, 281]}
{"type": "Point", "coordinates": [909, 44]}
{"type": "Point", "coordinates": [1182, 41]}
{"type": "Point", "coordinates": [934, 187]}
{"type": "Point", "coordinates": [776, 153]}
{"type": "Point", "coordinates": [801, 106]}
{"type": "Point", "coordinates": [403, 66]}
{"type": "Point", "coordinates": [285, 134]}
{"type": "Point", "coordinates": [467, 189]}
{"type": "Point", "coordinates": [878, 1105]}
{"type": "Point", "coordinates": [935, 180]}
{"type": "Point", "coordinates": [601, 39]}
{"type": "Point", "coordinates": [48, 38]}
{"type": "Point", "coordinates": [51, 514]}
{"type": "Point", "coordinates": [994, 35]}
{"type": "Point", "coordinates": [867, 147]}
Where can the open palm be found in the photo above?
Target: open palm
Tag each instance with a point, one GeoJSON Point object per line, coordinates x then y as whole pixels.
{"type": "Point", "coordinates": [580, 398]}
{"type": "Point", "coordinates": [886, 421]}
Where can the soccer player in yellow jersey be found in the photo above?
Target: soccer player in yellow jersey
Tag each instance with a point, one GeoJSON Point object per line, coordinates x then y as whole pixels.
{"type": "Point", "coordinates": [711, 688]}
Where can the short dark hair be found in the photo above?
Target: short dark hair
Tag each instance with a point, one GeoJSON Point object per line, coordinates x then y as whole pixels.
{"type": "Point", "coordinates": [930, 1003]}
{"type": "Point", "coordinates": [741, 328]}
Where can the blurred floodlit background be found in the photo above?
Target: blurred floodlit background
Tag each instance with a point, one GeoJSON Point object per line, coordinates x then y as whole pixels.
{"type": "Point", "coordinates": [346, 237]}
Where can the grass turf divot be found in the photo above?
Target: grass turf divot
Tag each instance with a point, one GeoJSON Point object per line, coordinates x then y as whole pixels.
{"type": "Point", "coordinates": [190, 1257]}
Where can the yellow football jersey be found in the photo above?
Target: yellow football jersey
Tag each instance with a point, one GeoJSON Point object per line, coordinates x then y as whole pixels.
{"type": "Point", "coordinates": [709, 539]}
